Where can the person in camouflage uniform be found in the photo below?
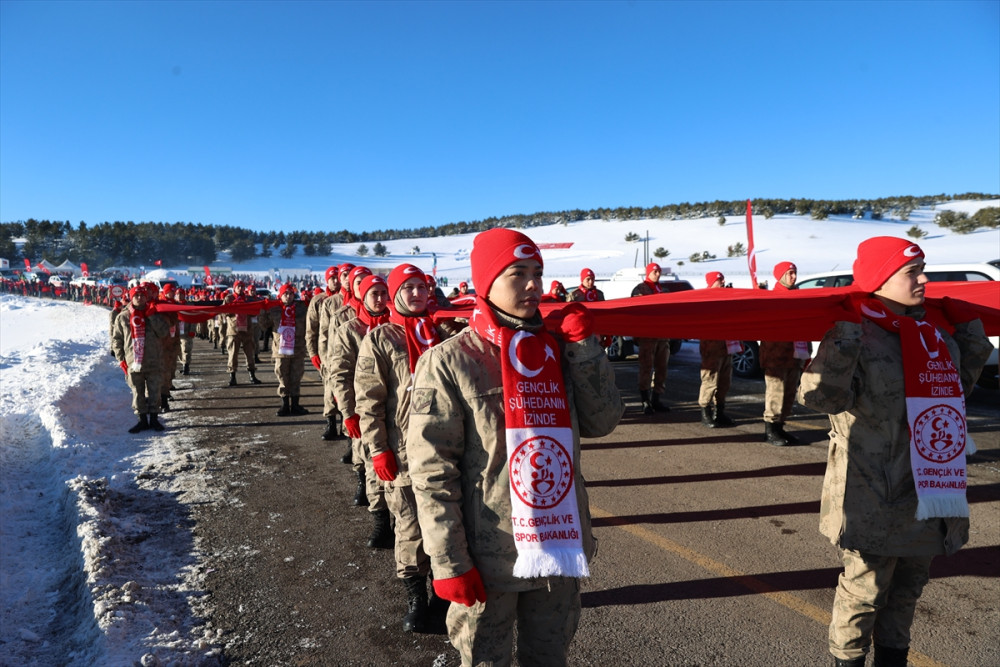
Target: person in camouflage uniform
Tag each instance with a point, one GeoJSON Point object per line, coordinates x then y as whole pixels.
{"type": "Point", "coordinates": [144, 378]}
{"type": "Point", "coordinates": [185, 333]}
{"type": "Point", "coordinates": [654, 353]}
{"type": "Point", "coordinates": [869, 499]}
{"type": "Point", "coordinates": [457, 450]}
{"type": "Point", "coordinates": [240, 336]}
{"type": "Point", "coordinates": [716, 371]}
{"type": "Point", "coordinates": [289, 364]}
{"type": "Point", "coordinates": [328, 307]}
{"type": "Point", "coordinates": [782, 368]}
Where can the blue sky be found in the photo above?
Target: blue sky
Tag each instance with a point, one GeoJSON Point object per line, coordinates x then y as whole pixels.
{"type": "Point", "coordinates": [330, 115]}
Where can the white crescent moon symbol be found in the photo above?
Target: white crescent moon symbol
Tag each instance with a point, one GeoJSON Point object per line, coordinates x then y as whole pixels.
{"type": "Point", "coordinates": [515, 362]}
{"type": "Point", "coordinates": [912, 251]}
{"type": "Point", "coordinates": [410, 270]}
{"type": "Point", "coordinates": [524, 251]}
{"type": "Point", "coordinates": [871, 313]}
{"type": "Point", "coordinates": [421, 336]}
{"type": "Point", "coordinates": [136, 319]}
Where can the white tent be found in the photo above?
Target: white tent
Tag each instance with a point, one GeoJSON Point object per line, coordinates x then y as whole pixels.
{"type": "Point", "coordinates": [69, 267]}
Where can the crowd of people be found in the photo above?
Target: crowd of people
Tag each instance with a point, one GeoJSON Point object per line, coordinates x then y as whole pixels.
{"type": "Point", "coordinates": [465, 432]}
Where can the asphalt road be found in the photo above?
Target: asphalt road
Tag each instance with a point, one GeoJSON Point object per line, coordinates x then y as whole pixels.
{"type": "Point", "coordinates": [709, 551]}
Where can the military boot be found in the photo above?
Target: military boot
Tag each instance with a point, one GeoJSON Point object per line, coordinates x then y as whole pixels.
{"type": "Point", "coordinates": [164, 406]}
{"type": "Point", "coordinates": [232, 379]}
{"type": "Point", "coordinates": [331, 428]}
{"type": "Point", "coordinates": [791, 439]}
{"type": "Point", "coordinates": [285, 409]}
{"type": "Point", "coordinates": [720, 415]}
{"type": "Point", "coordinates": [647, 407]}
{"type": "Point", "coordinates": [361, 494]}
{"type": "Point", "coordinates": [296, 408]}
{"type": "Point", "coordinates": [853, 662]}
{"type": "Point", "coordinates": [773, 435]}
{"type": "Point", "coordinates": [382, 536]}
{"type": "Point", "coordinates": [141, 425]}
{"type": "Point", "coordinates": [437, 611]}
{"type": "Point", "coordinates": [415, 619]}
{"type": "Point", "coordinates": [253, 378]}
{"type": "Point", "coordinates": [154, 422]}
{"type": "Point", "coordinates": [657, 405]}
{"type": "Point", "coordinates": [348, 456]}
{"type": "Point", "coordinates": [890, 657]}
{"type": "Point", "coordinates": [707, 419]}
{"type": "Point", "coordinates": [187, 369]}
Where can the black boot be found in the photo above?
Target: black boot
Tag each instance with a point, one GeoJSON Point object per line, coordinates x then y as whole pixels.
{"type": "Point", "coordinates": [186, 369]}
{"type": "Point", "coordinates": [791, 439]}
{"type": "Point", "coordinates": [164, 406]}
{"type": "Point", "coordinates": [416, 604]}
{"type": "Point", "coordinates": [721, 420]}
{"type": "Point", "coordinates": [853, 662]}
{"type": "Point", "coordinates": [285, 409]}
{"type": "Point", "coordinates": [381, 537]}
{"type": "Point", "coordinates": [361, 494]}
{"type": "Point", "coordinates": [657, 405]}
{"type": "Point", "coordinates": [437, 612]}
{"type": "Point", "coordinates": [154, 423]}
{"type": "Point", "coordinates": [647, 407]}
{"type": "Point", "coordinates": [707, 419]}
{"type": "Point", "coordinates": [141, 425]}
{"type": "Point", "coordinates": [348, 456]}
{"type": "Point", "coordinates": [253, 378]}
{"type": "Point", "coordinates": [772, 434]}
{"type": "Point", "coordinates": [331, 428]}
{"type": "Point", "coordinates": [296, 408]}
{"type": "Point", "coordinates": [232, 379]}
{"type": "Point", "coordinates": [890, 657]}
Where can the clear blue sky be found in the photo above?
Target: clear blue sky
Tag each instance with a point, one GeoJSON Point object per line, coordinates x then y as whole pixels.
{"type": "Point", "coordinates": [374, 115]}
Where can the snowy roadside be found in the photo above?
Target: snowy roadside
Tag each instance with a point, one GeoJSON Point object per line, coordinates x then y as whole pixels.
{"type": "Point", "coordinates": [98, 563]}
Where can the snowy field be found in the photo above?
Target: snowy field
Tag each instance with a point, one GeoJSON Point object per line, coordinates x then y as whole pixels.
{"type": "Point", "coordinates": [98, 563]}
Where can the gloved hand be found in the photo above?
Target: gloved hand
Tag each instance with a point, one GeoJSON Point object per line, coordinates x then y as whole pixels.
{"type": "Point", "coordinates": [577, 323]}
{"type": "Point", "coordinates": [124, 367]}
{"type": "Point", "coordinates": [353, 426]}
{"type": "Point", "coordinates": [315, 361]}
{"type": "Point", "coordinates": [465, 589]}
{"type": "Point", "coordinates": [385, 466]}
{"type": "Point", "coordinates": [957, 311]}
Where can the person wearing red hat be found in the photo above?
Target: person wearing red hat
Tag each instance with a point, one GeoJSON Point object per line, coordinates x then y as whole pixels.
{"type": "Point", "coordinates": [372, 311]}
{"type": "Point", "coordinates": [240, 336]}
{"type": "Point", "coordinates": [893, 496]}
{"type": "Point", "coordinates": [654, 353]}
{"type": "Point", "coordinates": [496, 414]}
{"type": "Point", "coordinates": [332, 279]}
{"type": "Point", "coordinates": [586, 291]}
{"type": "Point", "coordinates": [382, 384]}
{"type": "Point", "coordinates": [185, 333]}
{"type": "Point", "coordinates": [171, 344]}
{"type": "Point", "coordinates": [782, 362]}
{"type": "Point", "coordinates": [556, 293]}
{"type": "Point", "coordinates": [135, 343]}
{"type": "Point", "coordinates": [716, 370]}
{"type": "Point", "coordinates": [326, 310]}
{"type": "Point", "coordinates": [287, 321]}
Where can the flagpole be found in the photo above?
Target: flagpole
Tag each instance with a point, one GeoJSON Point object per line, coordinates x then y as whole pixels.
{"type": "Point", "coordinates": [751, 252]}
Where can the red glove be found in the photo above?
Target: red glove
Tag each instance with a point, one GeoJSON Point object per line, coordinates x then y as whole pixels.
{"type": "Point", "coordinates": [958, 312]}
{"type": "Point", "coordinates": [353, 426]}
{"type": "Point", "coordinates": [124, 366]}
{"type": "Point", "coordinates": [385, 466]}
{"type": "Point", "coordinates": [577, 323]}
{"type": "Point", "coordinates": [465, 589]}
{"type": "Point", "coordinates": [315, 360]}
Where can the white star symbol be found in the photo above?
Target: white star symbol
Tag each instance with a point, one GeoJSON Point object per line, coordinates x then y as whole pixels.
{"type": "Point", "coordinates": [549, 354]}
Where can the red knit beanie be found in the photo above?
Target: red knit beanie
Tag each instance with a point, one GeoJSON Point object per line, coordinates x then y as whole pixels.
{"type": "Point", "coordinates": [495, 250]}
{"type": "Point", "coordinates": [369, 282]}
{"type": "Point", "coordinates": [400, 275]}
{"type": "Point", "coordinates": [781, 268]}
{"type": "Point", "coordinates": [354, 273]}
{"type": "Point", "coordinates": [879, 258]}
{"type": "Point", "coordinates": [331, 271]}
{"type": "Point", "coordinates": [344, 268]}
{"type": "Point", "coordinates": [287, 287]}
{"type": "Point", "coordinates": [712, 276]}
{"type": "Point", "coordinates": [652, 266]}
{"type": "Point", "coordinates": [587, 273]}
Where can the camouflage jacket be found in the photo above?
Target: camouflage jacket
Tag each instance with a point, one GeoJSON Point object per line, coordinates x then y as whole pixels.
{"type": "Point", "coordinates": [458, 452]}
{"type": "Point", "coordinates": [869, 500]}
{"type": "Point", "coordinates": [271, 319]}
{"type": "Point", "coordinates": [346, 343]}
{"type": "Point", "coordinates": [121, 341]}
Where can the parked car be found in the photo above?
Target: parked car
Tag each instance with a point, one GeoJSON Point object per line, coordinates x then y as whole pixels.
{"type": "Point", "coordinates": [622, 347]}
{"type": "Point", "coordinates": [935, 273]}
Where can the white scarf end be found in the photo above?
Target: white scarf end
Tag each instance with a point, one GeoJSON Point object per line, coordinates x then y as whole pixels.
{"type": "Point", "coordinates": [941, 507]}
{"type": "Point", "coordinates": [567, 562]}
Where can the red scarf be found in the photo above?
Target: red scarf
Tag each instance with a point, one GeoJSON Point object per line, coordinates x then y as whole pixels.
{"type": "Point", "coordinates": [370, 319]}
{"type": "Point", "coordinates": [539, 435]}
{"type": "Point", "coordinates": [137, 326]}
{"type": "Point", "coordinates": [801, 347]}
{"type": "Point", "coordinates": [421, 334]}
{"type": "Point", "coordinates": [591, 294]}
{"type": "Point", "coordinates": [286, 331]}
{"type": "Point", "coordinates": [935, 413]}
{"type": "Point", "coordinates": [241, 320]}
{"type": "Point", "coordinates": [653, 286]}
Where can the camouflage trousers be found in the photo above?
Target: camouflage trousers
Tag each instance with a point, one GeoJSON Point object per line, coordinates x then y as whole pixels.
{"type": "Point", "coordinates": [289, 371]}
{"type": "Point", "coordinates": [187, 347]}
{"type": "Point", "coordinates": [716, 378]}
{"type": "Point", "coordinates": [654, 353]}
{"type": "Point", "coordinates": [329, 400]}
{"type": "Point", "coordinates": [234, 343]}
{"type": "Point", "coordinates": [411, 560]}
{"type": "Point", "coordinates": [374, 487]}
{"type": "Point", "coordinates": [780, 386]}
{"type": "Point", "coordinates": [145, 388]}
{"type": "Point", "coordinates": [876, 598]}
{"type": "Point", "coordinates": [546, 620]}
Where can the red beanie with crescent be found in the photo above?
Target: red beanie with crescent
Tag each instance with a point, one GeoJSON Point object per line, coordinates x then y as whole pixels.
{"type": "Point", "coordinates": [879, 258]}
{"type": "Point", "coordinates": [713, 276]}
{"type": "Point", "coordinates": [331, 271]}
{"type": "Point", "coordinates": [587, 273]}
{"type": "Point", "coordinates": [353, 275]}
{"type": "Point", "coordinates": [369, 282]}
{"type": "Point", "coordinates": [400, 275]}
{"type": "Point", "coordinates": [781, 268]}
{"type": "Point", "coordinates": [652, 266]}
{"type": "Point", "coordinates": [495, 250]}
{"type": "Point", "coordinates": [287, 287]}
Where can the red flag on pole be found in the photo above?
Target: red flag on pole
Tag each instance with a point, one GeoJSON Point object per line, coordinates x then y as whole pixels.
{"type": "Point", "coordinates": [158, 262]}
{"type": "Point", "coordinates": [751, 253]}
{"type": "Point", "coordinates": [208, 276]}
{"type": "Point", "coordinates": [83, 267]}
{"type": "Point", "coordinates": [27, 264]}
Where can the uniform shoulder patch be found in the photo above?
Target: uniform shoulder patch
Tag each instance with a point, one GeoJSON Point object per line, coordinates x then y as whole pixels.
{"type": "Point", "coordinates": [422, 401]}
{"type": "Point", "coordinates": [366, 365]}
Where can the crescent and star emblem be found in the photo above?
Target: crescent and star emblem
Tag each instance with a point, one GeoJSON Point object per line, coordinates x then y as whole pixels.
{"type": "Point", "coordinates": [410, 270]}
{"type": "Point", "coordinates": [872, 313]}
{"type": "Point", "coordinates": [517, 364]}
{"type": "Point", "coordinates": [912, 251]}
{"type": "Point", "coordinates": [524, 251]}
{"type": "Point", "coordinates": [420, 331]}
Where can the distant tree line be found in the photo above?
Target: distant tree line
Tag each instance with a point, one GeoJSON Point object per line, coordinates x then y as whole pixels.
{"type": "Point", "coordinates": [130, 243]}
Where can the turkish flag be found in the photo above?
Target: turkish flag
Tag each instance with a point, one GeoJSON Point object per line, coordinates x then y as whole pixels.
{"type": "Point", "coordinates": [158, 262]}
